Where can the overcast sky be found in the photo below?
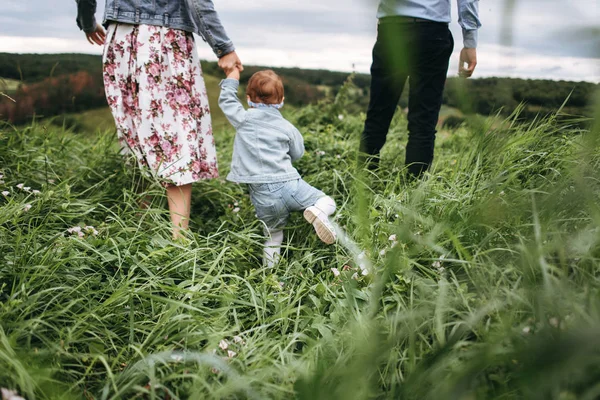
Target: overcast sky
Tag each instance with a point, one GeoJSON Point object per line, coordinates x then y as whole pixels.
{"type": "Point", "coordinates": [554, 39]}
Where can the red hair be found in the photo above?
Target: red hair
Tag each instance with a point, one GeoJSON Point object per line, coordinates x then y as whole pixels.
{"type": "Point", "coordinates": [265, 87]}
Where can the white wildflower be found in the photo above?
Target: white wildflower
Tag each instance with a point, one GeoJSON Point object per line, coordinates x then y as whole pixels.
{"type": "Point", "coordinates": [526, 330]}
{"type": "Point", "coordinates": [436, 264]}
{"type": "Point", "coordinates": [382, 252]}
{"type": "Point", "coordinates": [235, 203]}
{"type": "Point", "coordinates": [502, 193]}
{"type": "Point", "coordinates": [27, 207]}
{"type": "Point", "coordinates": [237, 339]}
{"type": "Point", "coordinates": [177, 357]}
{"type": "Point", "coordinates": [75, 229]}
{"type": "Point", "coordinates": [20, 185]}
{"type": "Point", "coordinates": [236, 210]}
{"type": "Point", "coordinates": [231, 354]}
{"type": "Point", "coordinates": [36, 192]}
{"type": "Point", "coordinates": [338, 156]}
{"type": "Point", "coordinates": [10, 395]}
{"type": "Point", "coordinates": [26, 188]}
{"type": "Point", "coordinates": [223, 344]}
{"type": "Point", "coordinates": [92, 230]}
{"type": "Point", "coordinates": [355, 276]}
{"type": "Point", "coordinates": [321, 152]}
{"type": "Point", "coordinates": [392, 238]}
{"type": "Point", "coordinates": [335, 272]}
{"type": "Point", "coordinates": [341, 117]}
{"type": "Point", "coordinates": [365, 272]}
{"type": "Point", "coordinates": [5, 193]}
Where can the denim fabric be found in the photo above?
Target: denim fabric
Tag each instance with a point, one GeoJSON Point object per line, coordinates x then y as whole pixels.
{"type": "Point", "coordinates": [197, 16]}
{"type": "Point", "coordinates": [274, 201]}
{"type": "Point", "coordinates": [265, 143]}
{"type": "Point", "coordinates": [438, 11]}
{"type": "Point", "coordinates": [420, 51]}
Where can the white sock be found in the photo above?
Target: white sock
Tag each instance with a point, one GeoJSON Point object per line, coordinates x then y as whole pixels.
{"type": "Point", "coordinates": [326, 204]}
{"type": "Point", "coordinates": [272, 247]}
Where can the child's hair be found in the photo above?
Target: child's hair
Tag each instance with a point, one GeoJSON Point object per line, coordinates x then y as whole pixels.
{"type": "Point", "coordinates": [265, 87]}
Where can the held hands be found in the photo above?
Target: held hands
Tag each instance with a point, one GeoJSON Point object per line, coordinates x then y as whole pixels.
{"type": "Point", "coordinates": [231, 63]}
{"type": "Point", "coordinates": [97, 36]}
{"type": "Point", "coordinates": [234, 73]}
{"type": "Point", "coordinates": [469, 57]}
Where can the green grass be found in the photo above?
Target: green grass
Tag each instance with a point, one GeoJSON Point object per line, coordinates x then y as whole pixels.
{"type": "Point", "coordinates": [490, 290]}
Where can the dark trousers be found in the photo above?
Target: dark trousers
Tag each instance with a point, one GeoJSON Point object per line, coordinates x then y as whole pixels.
{"type": "Point", "coordinates": [419, 50]}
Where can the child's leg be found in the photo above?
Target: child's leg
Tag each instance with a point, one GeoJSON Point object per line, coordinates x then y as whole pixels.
{"type": "Point", "coordinates": [326, 204]}
{"type": "Point", "coordinates": [318, 215]}
{"type": "Point", "coordinates": [272, 249]}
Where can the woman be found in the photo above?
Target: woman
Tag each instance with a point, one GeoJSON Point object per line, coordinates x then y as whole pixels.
{"type": "Point", "coordinates": [155, 89]}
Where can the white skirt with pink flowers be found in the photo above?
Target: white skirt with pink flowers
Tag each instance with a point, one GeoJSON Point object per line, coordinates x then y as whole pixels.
{"type": "Point", "coordinates": [156, 92]}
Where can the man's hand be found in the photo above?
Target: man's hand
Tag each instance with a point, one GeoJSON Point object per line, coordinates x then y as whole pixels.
{"type": "Point", "coordinates": [97, 37]}
{"type": "Point", "coordinates": [230, 62]}
{"type": "Point", "coordinates": [469, 57]}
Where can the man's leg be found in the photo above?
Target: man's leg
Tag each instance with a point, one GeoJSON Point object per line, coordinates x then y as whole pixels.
{"type": "Point", "coordinates": [433, 46]}
{"type": "Point", "coordinates": [388, 76]}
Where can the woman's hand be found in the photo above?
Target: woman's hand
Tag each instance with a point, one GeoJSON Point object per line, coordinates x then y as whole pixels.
{"type": "Point", "coordinates": [97, 36]}
{"type": "Point", "coordinates": [230, 62]}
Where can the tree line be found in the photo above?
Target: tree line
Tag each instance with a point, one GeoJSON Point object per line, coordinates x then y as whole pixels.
{"type": "Point", "coordinates": [53, 84]}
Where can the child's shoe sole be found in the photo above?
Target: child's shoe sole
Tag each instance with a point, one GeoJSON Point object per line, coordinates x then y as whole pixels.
{"type": "Point", "coordinates": [324, 231]}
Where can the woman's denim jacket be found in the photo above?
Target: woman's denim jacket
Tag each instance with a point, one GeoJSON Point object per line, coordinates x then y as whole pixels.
{"type": "Point", "coordinates": [197, 16]}
{"type": "Point", "coordinates": [265, 143]}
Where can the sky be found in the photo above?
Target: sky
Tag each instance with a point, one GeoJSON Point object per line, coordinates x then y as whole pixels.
{"type": "Point", "coordinates": [549, 39]}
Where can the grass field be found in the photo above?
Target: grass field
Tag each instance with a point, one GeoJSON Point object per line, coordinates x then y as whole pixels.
{"type": "Point", "coordinates": [483, 278]}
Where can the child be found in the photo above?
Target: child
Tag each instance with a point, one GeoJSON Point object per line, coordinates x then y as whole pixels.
{"type": "Point", "coordinates": [265, 146]}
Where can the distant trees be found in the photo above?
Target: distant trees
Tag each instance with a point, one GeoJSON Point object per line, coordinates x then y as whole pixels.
{"type": "Point", "coordinates": [58, 83]}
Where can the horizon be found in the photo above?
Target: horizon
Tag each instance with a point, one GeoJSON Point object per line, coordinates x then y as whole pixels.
{"type": "Point", "coordinates": [325, 69]}
{"type": "Point", "coordinates": [535, 39]}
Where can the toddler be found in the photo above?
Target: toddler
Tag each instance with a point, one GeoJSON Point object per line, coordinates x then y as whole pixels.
{"type": "Point", "coordinates": [264, 148]}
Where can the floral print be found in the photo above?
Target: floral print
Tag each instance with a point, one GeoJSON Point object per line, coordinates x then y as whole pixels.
{"type": "Point", "coordinates": [156, 92]}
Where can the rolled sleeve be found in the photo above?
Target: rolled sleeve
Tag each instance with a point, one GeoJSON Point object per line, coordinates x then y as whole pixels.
{"type": "Point", "coordinates": [468, 18]}
{"type": "Point", "coordinates": [86, 20]}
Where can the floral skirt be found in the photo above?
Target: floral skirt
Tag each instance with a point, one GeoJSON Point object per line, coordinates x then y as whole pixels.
{"type": "Point", "coordinates": [156, 92]}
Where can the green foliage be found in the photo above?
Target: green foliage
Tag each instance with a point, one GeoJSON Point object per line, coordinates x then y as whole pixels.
{"type": "Point", "coordinates": [484, 277]}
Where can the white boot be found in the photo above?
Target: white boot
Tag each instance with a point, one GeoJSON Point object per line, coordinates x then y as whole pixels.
{"type": "Point", "coordinates": [318, 214]}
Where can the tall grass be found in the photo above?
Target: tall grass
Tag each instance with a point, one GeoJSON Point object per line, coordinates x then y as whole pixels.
{"type": "Point", "coordinates": [484, 277]}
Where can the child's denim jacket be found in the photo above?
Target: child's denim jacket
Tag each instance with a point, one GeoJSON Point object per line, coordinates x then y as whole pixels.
{"type": "Point", "coordinates": [197, 16]}
{"type": "Point", "coordinates": [265, 143]}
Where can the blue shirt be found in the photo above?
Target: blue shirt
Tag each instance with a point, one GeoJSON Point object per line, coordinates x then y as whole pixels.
{"type": "Point", "coordinates": [265, 143]}
{"type": "Point", "coordinates": [439, 11]}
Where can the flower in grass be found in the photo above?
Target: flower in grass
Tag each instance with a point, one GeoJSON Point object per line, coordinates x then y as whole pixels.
{"type": "Point", "coordinates": [382, 252]}
{"type": "Point", "coordinates": [338, 156]}
{"type": "Point", "coordinates": [231, 354]}
{"type": "Point", "coordinates": [392, 238]}
{"type": "Point", "coordinates": [223, 344]}
{"type": "Point", "coordinates": [27, 189]}
{"type": "Point", "coordinates": [355, 276]}
{"type": "Point", "coordinates": [91, 230]}
{"type": "Point", "coordinates": [76, 230]}
{"type": "Point", "coordinates": [27, 207]}
{"type": "Point", "coordinates": [320, 152]}
{"type": "Point", "coordinates": [21, 186]}
{"type": "Point", "coordinates": [36, 192]}
{"type": "Point", "coordinates": [237, 339]}
{"type": "Point", "coordinates": [5, 193]}
{"type": "Point", "coordinates": [341, 117]}
{"type": "Point", "coordinates": [236, 210]}
{"type": "Point", "coordinates": [526, 330]}
{"type": "Point", "coordinates": [10, 395]}
{"type": "Point", "coordinates": [335, 272]}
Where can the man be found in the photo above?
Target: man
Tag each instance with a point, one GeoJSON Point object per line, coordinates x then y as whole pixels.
{"type": "Point", "coordinates": [413, 40]}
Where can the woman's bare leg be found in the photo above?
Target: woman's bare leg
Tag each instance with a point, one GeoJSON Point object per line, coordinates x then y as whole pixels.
{"type": "Point", "coordinates": [180, 198]}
